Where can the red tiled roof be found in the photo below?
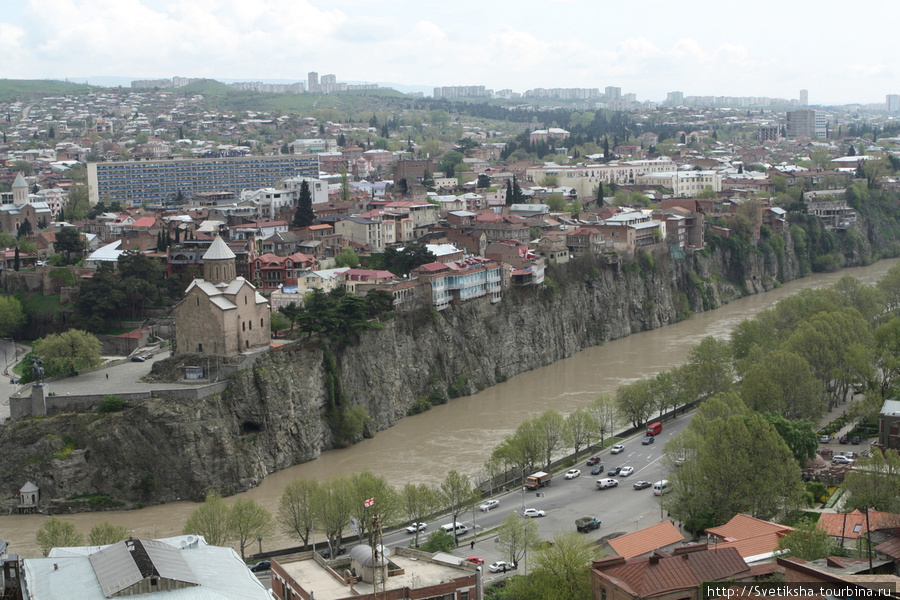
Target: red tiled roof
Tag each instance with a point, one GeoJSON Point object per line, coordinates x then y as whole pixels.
{"type": "Point", "coordinates": [145, 222]}
{"type": "Point", "coordinates": [853, 525]}
{"type": "Point", "coordinates": [753, 546]}
{"type": "Point", "coordinates": [743, 526]}
{"type": "Point", "coordinates": [646, 540]}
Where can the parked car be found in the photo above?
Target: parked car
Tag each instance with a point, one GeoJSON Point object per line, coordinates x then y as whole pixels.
{"type": "Point", "coordinates": [593, 461]}
{"type": "Point", "coordinates": [840, 459]}
{"type": "Point", "coordinates": [648, 440]}
{"type": "Point", "coordinates": [138, 359]}
{"type": "Point", "coordinates": [489, 504]}
{"type": "Point", "coordinates": [501, 566]}
{"type": "Point", "coordinates": [824, 439]}
{"type": "Point", "coordinates": [855, 440]}
{"type": "Point", "coordinates": [626, 471]}
{"type": "Point", "coordinates": [573, 473]}
{"type": "Point", "coordinates": [641, 485]}
{"type": "Point", "coordinates": [475, 560]}
{"type": "Point", "coordinates": [263, 565]}
{"type": "Point", "coordinates": [607, 483]}
{"type": "Point", "coordinates": [533, 512]}
{"type": "Point", "coordinates": [326, 553]}
{"type": "Point", "coordinates": [597, 470]}
{"type": "Point", "coordinates": [414, 527]}
{"type": "Point", "coordinates": [614, 471]}
{"type": "Point", "coordinates": [617, 448]}
{"type": "Point", "coordinates": [850, 454]}
{"type": "Point", "coordinates": [845, 439]}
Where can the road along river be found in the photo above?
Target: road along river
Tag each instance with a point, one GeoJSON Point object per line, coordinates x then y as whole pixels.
{"type": "Point", "coordinates": [461, 434]}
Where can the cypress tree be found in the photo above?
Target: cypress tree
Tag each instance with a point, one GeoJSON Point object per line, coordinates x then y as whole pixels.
{"type": "Point", "coordinates": [304, 215]}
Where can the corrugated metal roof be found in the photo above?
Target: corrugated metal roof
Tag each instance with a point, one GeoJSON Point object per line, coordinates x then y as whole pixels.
{"type": "Point", "coordinates": [115, 569]}
{"type": "Point", "coordinates": [218, 250]}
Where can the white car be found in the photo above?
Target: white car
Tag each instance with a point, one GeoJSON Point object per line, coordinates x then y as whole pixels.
{"type": "Point", "coordinates": [501, 566]}
{"type": "Point", "coordinates": [414, 527]}
{"type": "Point", "coordinates": [617, 448]}
{"type": "Point", "coordinates": [607, 483]}
{"type": "Point", "coordinates": [573, 473]}
{"type": "Point", "coordinates": [626, 471]}
{"type": "Point", "coordinates": [489, 504]}
{"type": "Point", "coordinates": [839, 459]}
{"type": "Point", "coordinates": [533, 512]}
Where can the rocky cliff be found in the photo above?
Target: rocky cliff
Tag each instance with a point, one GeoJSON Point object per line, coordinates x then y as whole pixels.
{"type": "Point", "coordinates": [278, 413]}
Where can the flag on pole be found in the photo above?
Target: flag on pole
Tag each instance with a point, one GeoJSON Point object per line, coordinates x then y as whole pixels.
{"type": "Point", "coordinates": [370, 502]}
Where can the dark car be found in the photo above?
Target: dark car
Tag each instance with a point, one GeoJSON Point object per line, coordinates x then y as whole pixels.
{"type": "Point", "coordinates": [263, 565]}
{"type": "Point", "coordinates": [597, 470]}
{"type": "Point", "coordinates": [855, 440]}
{"type": "Point", "coordinates": [593, 461]}
{"type": "Point", "coordinates": [614, 471]}
{"type": "Point", "coordinates": [326, 553]}
{"type": "Point", "coordinates": [138, 359]}
{"type": "Point", "coordinates": [648, 440]}
{"type": "Point", "coordinates": [642, 485]}
{"type": "Point", "coordinates": [845, 439]}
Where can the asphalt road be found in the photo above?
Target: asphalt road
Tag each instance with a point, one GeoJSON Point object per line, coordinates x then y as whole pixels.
{"type": "Point", "coordinates": [622, 509]}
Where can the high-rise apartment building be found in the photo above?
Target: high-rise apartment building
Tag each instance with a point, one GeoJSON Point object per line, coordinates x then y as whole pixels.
{"type": "Point", "coordinates": [892, 102]}
{"type": "Point", "coordinates": [613, 93]}
{"type": "Point", "coordinates": [804, 97]}
{"type": "Point", "coordinates": [807, 123]}
{"type": "Point", "coordinates": [312, 82]}
{"type": "Point", "coordinates": [674, 98]}
{"type": "Point", "coordinates": [161, 181]}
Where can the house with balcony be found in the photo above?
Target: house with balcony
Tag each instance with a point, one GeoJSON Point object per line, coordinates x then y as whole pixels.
{"type": "Point", "coordinates": [271, 271]}
{"type": "Point", "coordinates": [450, 283]}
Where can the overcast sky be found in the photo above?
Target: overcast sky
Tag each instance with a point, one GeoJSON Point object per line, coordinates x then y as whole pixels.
{"type": "Point", "coordinates": [840, 52]}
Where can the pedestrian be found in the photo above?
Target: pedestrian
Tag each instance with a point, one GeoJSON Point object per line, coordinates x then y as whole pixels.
{"type": "Point", "coordinates": [472, 545]}
{"type": "Point", "coordinates": [504, 568]}
{"type": "Point", "coordinates": [107, 375]}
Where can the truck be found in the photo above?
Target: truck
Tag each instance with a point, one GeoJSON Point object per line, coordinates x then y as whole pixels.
{"type": "Point", "coordinates": [538, 480]}
{"type": "Point", "coordinates": [585, 524]}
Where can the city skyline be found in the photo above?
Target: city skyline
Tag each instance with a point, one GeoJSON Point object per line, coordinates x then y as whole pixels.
{"type": "Point", "coordinates": [706, 49]}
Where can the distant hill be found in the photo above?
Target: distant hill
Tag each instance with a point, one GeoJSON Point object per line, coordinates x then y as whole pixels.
{"type": "Point", "coordinates": [33, 89]}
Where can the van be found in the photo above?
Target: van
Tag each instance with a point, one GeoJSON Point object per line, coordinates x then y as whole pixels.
{"type": "Point", "coordinates": [460, 528]}
{"type": "Point", "coordinates": [661, 487]}
{"type": "Point", "coordinates": [654, 428]}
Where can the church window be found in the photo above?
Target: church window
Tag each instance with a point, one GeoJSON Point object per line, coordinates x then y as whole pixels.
{"type": "Point", "coordinates": [244, 326]}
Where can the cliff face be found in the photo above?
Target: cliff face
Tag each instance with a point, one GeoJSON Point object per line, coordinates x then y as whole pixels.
{"type": "Point", "coordinates": [273, 415]}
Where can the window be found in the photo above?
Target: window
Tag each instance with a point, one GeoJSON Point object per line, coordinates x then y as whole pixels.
{"type": "Point", "coordinates": [199, 347]}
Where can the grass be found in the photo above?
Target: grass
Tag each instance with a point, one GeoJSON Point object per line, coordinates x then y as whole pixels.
{"type": "Point", "coordinates": [13, 89]}
{"type": "Point", "coordinates": [38, 304]}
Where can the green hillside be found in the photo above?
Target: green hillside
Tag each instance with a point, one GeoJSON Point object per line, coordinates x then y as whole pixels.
{"type": "Point", "coordinates": [34, 89]}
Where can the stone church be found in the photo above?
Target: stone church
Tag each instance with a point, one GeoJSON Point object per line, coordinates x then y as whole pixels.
{"type": "Point", "coordinates": [221, 314]}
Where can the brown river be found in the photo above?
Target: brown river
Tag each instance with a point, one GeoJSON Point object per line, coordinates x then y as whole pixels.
{"type": "Point", "coordinates": [461, 434]}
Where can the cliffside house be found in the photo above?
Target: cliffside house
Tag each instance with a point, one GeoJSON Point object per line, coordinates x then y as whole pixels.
{"type": "Point", "coordinates": [221, 314]}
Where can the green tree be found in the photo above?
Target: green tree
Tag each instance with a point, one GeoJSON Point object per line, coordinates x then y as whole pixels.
{"type": "Point", "coordinates": [56, 533]}
{"type": "Point", "coordinates": [448, 162]}
{"type": "Point", "coordinates": [709, 370]}
{"type": "Point", "coordinates": [295, 508]}
{"type": "Point", "coordinates": [799, 435]}
{"type": "Point", "coordinates": [12, 316]}
{"type": "Point", "coordinates": [292, 312]}
{"type": "Point", "coordinates": [551, 426]}
{"type": "Point", "coordinates": [457, 495]}
{"type": "Point", "coordinates": [345, 185]}
{"type": "Point", "coordinates": [808, 541]}
{"type": "Point", "coordinates": [580, 428]}
{"type": "Point", "coordinates": [365, 486]}
{"type": "Point", "coordinates": [783, 383]}
{"type": "Point", "coordinates": [347, 258]}
{"type": "Point", "coordinates": [418, 501]}
{"type": "Point", "coordinates": [634, 402]}
{"type": "Point", "coordinates": [304, 215]}
{"type": "Point", "coordinates": [874, 483]}
{"type": "Point", "coordinates": [439, 541]}
{"type": "Point", "coordinates": [604, 411]}
{"type": "Point", "coordinates": [69, 241]}
{"type": "Point", "coordinates": [247, 520]}
{"type": "Point", "coordinates": [68, 351]}
{"type": "Point", "coordinates": [561, 571]}
{"type": "Point", "coordinates": [278, 322]}
{"type": "Point", "coordinates": [515, 536]}
{"type": "Point", "coordinates": [210, 520]}
{"type": "Point", "coordinates": [332, 506]}
{"type": "Point", "coordinates": [106, 533]}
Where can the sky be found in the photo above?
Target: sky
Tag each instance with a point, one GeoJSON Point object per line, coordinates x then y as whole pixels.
{"type": "Point", "coordinates": [646, 47]}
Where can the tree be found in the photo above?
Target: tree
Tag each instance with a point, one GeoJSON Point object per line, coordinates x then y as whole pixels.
{"type": "Point", "coordinates": [561, 571]}
{"type": "Point", "coordinates": [69, 241]}
{"type": "Point", "coordinates": [16, 260]}
{"type": "Point", "coordinates": [347, 258]}
{"type": "Point", "coordinates": [483, 181]}
{"type": "Point", "coordinates": [418, 501]}
{"type": "Point", "coordinates": [580, 427]}
{"type": "Point", "coordinates": [874, 483]}
{"type": "Point", "coordinates": [457, 494]}
{"type": "Point", "coordinates": [448, 162]}
{"type": "Point", "coordinates": [247, 520]}
{"type": "Point", "coordinates": [295, 509]}
{"type": "Point", "coordinates": [603, 410]}
{"type": "Point", "coordinates": [24, 229]}
{"type": "Point", "coordinates": [56, 533]}
{"type": "Point", "coordinates": [634, 402]}
{"type": "Point", "coordinates": [552, 430]}
{"type": "Point", "coordinates": [709, 370]}
{"type": "Point", "coordinates": [439, 541]}
{"type": "Point", "coordinates": [332, 507]}
{"type": "Point", "coordinates": [808, 541]}
{"type": "Point", "coordinates": [292, 311]}
{"type": "Point", "coordinates": [210, 520]}
{"type": "Point", "coordinates": [12, 316]}
{"type": "Point", "coordinates": [345, 185]}
{"type": "Point", "coordinates": [783, 383]}
{"type": "Point", "coordinates": [365, 486]}
{"type": "Point", "coordinates": [68, 351]}
{"type": "Point", "coordinates": [304, 215]}
{"type": "Point", "coordinates": [278, 321]}
{"type": "Point", "coordinates": [515, 536]}
{"type": "Point", "coordinates": [799, 435]}
{"type": "Point", "coordinates": [106, 533]}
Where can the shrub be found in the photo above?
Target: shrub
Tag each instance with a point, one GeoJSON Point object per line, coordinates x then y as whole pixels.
{"type": "Point", "coordinates": [111, 404]}
{"type": "Point", "coordinates": [422, 404]}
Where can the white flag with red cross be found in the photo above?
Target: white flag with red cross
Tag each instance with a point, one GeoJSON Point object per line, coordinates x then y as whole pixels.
{"type": "Point", "coordinates": [370, 502]}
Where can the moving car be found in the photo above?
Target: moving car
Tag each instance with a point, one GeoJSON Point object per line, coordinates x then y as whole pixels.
{"type": "Point", "coordinates": [533, 512]}
{"type": "Point", "coordinates": [501, 566]}
{"type": "Point", "coordinates": [326, 553]}
{"type": "Point", "coordinates": [489, 504]}
{"type": "Point", "coordinates": [475, 560]}
{"type": "Point", "coordinates": [855, 440]}
{"type": "Point", "coordinates": [648, 440]}
{"type": "Point", "coordinates": [641, 485]}
{"type": "Point", "coordinates": [824, 439]}
{"type": "Point", "coordinates": [594, 460]}
{"type": "Point", "coordinates": [573, 473]}
{"type": "Point", "coordinates": [840, 459]}
{"type": "Point", "coordinates": [607, 483]}
{"type": "Point", "coordinates": [626, 471]}
{"type": "Point", "coordinates": [614, 471]}
{"type": "Point", "coordinates": [263, 565]}
{"type": "Point", "coordinates": [138, 359]}
{"type": "Point", "coordinates": [414, 527]}
{"type": "Point", "coordinates": [617, 448]}
{"type": "Point", "coordinates": [597, 470]}
{"type": "Point", "coordinates": [845, 439]}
